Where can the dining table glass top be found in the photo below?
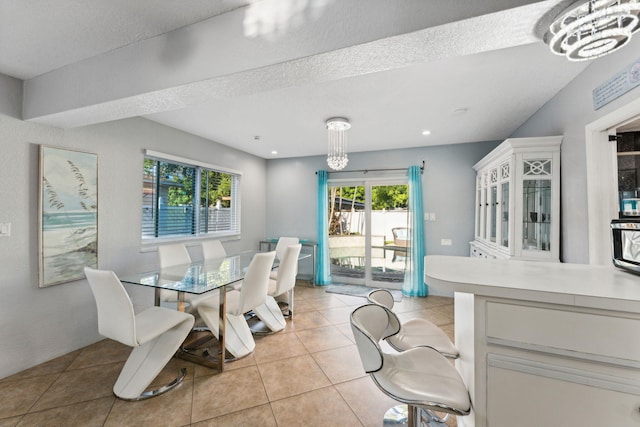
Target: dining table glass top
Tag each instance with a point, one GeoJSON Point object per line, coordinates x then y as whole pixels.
{"type": "Point", "coordinates": [197, 277]}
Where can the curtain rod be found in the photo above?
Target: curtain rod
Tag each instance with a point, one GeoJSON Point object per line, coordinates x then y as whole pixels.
{"type": "Point", "coordinates": [365, 171]}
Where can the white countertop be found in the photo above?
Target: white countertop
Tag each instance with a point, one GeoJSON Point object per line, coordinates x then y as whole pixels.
{"type": "Point", "coordinates": [583, 285]}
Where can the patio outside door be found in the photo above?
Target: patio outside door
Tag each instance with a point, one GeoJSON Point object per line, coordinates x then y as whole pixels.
{"type": "Point", "coordinates": [368, 239]}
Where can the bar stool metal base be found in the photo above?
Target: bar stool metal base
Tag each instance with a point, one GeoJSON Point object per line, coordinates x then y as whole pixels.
{"type": "Point", "coordinates": [399, 416]}
{"type": "Point", "coordinates": [396, 416]}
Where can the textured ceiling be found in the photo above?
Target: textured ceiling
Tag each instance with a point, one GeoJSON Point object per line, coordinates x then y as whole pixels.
{"type": "Point", "coordinates": [37, 36]}
{"type": "Point", "coordinates": [233, 70]}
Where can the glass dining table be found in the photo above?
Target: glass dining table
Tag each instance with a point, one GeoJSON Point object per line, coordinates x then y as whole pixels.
{"type": "Point", "coordinates": [192, 282]}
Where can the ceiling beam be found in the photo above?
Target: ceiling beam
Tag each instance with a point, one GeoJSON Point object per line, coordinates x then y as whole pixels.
{"type": "Point", "coordinates": [215, 59]}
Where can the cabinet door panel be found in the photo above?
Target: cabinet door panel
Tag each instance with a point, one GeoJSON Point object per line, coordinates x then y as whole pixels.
{"type": "Point", "coordinates": [504, 223]}
{"type": "Point", "coordinates": [536, 223]}
{"type": "Point", "coordinates": [519, 399]}
{"type": "Point", "coordinates": [563, 331]}
{"type": "Point", "coordinates": [483, 214]}
{"type": "Point", "coordinates": [493, 213]}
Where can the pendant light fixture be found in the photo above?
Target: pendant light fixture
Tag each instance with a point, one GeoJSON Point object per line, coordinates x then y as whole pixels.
{"type": "Point", "coordinates": [593, 28]}
{"type": "Point", "coordinates": [337, 128]}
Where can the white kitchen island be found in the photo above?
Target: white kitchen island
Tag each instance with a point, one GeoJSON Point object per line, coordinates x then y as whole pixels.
{"type": "Point", "coordinates": [544, 344]}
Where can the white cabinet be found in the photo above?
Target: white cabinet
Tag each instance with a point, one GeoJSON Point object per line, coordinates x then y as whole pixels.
{"type": "Point", "coordinates": [518, 200]}
{"type": "Point", "coordinates": [549, 364]}
{"type": "Point", "coordinates": [517, 397]}
{"type": "Point", "coordinates": [544, 343]}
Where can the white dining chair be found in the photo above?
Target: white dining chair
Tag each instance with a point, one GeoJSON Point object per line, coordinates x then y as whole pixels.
{"type": "Point", "coordinates": [270, 313]}
{"type": "Point", "coordinates": [420, 378]}
{"type": "Point", "coordinates": [281, 247]}
{"type": "Point", "coordinates": [253, 292]}
{"type": "Point", "coordinates": [212, 249]}
{"type": "Point", "coordinates": [155, 335]}
{"type": "Point", "coordinates": [172, 255]}
{"type": "Point", "coordinates": [175, 262]}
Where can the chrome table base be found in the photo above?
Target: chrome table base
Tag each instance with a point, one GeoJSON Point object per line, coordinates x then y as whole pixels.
{"type": "Point", "coordinates": [203, 348]}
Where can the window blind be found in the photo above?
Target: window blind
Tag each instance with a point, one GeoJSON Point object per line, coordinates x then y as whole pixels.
{"type": "Point", "coordinates": [179, 199]}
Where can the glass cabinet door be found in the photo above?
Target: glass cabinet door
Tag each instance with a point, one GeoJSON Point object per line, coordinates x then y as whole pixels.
{"type": "Point", "coordinates": [504, 213]}
{"type": "Point", "coordinates": [478, 213]}
{"type": "Point", "coordinates": [483, 226]}
{"type": "Point", "coordinates": [493, 210]}
{"type": "Point", "coordinates": [483, 213]}
{"type": "Point", "coordinates": [537, 218]}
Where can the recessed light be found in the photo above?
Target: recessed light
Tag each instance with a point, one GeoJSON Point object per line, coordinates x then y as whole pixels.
{"type": "Point", "coordinates": [426, 132]}
{"type": "Point", "coordinates": [274, 152]}
{"type": "Point", "coordinates": [256, 138]}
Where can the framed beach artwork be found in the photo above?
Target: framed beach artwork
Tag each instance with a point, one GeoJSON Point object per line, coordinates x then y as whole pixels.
{"type": "Point", "coordinates": [68, 214]}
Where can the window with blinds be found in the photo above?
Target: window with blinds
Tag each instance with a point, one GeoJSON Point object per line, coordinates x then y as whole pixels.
{"type": "Point", "coordinates": [183, 199]}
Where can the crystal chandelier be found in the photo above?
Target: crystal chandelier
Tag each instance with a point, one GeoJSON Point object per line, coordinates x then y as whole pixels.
{"type": "Point", "coordinates": [594, 28]}
{"type": "Point", "coordinates": [337, 129]}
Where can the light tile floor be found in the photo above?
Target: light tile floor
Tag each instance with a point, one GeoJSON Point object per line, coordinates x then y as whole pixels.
{"type": "Point", "coordinates": [307, 375]}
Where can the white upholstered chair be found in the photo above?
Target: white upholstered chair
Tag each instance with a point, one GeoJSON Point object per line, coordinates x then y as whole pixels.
{"type": "Point", "coordinates": [281, 248]}
{"type": "Point", "coordinates": [253, 292]}
{"type": "Point", "coordinates": [414, 332]}
{"type": "Point", "coordinates": [172, 255]}
{"type": "Point", "coordinates": [174, 263]}
{"type": "Point", "coordinates": [155, 335]}
{"type": "Point", "coordinates": [212, 249]}
{"type": "Point", "coordinates": [421, 378]}
{"type": "Point", "coordinates": [270, 312]}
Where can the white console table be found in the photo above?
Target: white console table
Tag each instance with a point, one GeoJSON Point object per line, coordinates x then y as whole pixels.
{"type": "Point", "coordinates": [544, 343]}
{"type": "Point", "coordinates": [312, 247]}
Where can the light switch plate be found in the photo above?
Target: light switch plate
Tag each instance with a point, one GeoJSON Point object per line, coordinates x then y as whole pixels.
{"type": "Point", "coordinates": [5, 229]}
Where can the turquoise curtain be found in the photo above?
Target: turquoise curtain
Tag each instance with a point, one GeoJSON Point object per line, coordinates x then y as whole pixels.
{"type": "Point", "coordinates": [323, 271]}
{"type": "Point", "coordinates": [414, 277]}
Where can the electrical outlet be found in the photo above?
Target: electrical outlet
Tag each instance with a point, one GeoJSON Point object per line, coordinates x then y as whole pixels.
{"type": "Point", "coordinates": [446, 242]}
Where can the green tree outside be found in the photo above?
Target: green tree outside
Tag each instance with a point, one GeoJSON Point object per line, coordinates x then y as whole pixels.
{"type": "Point", "coordinates": [382, 197]}
{"type": "Point", "coordinates": [387, 197]}
{"type": "Point", "coordinates": [215, 186]}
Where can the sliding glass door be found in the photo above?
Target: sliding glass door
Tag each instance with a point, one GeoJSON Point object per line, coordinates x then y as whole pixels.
{"type": "Point", "coordinates": [368, 239]}
{"type": "Point", "coordinates": [347, 232]}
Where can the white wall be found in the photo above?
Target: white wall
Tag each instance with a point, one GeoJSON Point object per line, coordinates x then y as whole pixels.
{"type": "Point", "coordinates": [448, 191]}
{"type": "Point", "coordinates": [382, 222]}
{"type": "Point", "coordinates": [567, 114]}
{"type": "Point", "coordinates": [38, 324]}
